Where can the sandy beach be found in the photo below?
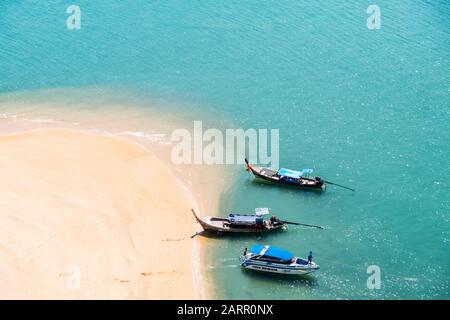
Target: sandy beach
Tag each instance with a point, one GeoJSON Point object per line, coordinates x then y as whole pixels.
{"type": "Point", "coordinates": [87, 216]}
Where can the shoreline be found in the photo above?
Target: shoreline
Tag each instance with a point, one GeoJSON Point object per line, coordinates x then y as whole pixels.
{"type": "Point", "coordinates": [201, 289]}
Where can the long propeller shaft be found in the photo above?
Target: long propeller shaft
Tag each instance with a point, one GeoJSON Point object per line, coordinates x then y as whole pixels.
{"type": "Point", "coordinates": [339, 185]}
{"type": "Point", "coordinates": [304, 224]}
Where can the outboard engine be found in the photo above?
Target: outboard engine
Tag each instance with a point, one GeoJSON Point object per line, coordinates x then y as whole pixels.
{"type": "Point", "coordinates": [274, 219]}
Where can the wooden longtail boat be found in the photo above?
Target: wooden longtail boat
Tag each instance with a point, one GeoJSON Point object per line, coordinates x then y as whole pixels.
{"type": "Point", "coordinates": [288, 177]}
{"type": "Point", "coordinates": [241, 223]}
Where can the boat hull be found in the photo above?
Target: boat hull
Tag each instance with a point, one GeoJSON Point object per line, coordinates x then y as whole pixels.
{"type": "Point", "coordinates": [305, 184]}
{"type": "Point", "coordinates": [278, 268]}
{"type": "Point", "coordinates": [319, 188]}
{"type": "Point", "coordinates": [219, 226]}
{"type": "Point", "coordinates": [212, 228]}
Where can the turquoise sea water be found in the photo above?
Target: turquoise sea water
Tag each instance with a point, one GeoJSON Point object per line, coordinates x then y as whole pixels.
{"type": "Point", "coordinates": [365, 108]}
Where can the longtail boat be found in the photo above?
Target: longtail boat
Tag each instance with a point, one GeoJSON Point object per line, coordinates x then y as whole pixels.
{"type": "Point", "coordinates": [242, 223]}
{"type": "Point", "coordinates": [287, 177]}
{"type": "Point", "coordinates": [276, 260]}
{"type": "Point", "coordinates": [290, 177]}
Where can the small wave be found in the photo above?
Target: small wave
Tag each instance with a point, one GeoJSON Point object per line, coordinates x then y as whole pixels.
{"type": "Point", "coordinates": [16, 117]}
{"type": "Point", "coordinates": [42, 120]}
{"type": "Point", "coordinates": [153, 137]}
{"type": "Point", "coordinates": [8, 116]}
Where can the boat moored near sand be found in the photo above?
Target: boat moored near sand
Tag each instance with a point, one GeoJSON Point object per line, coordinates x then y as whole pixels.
{"type": "Point", "coordinates": [242, 223]}
{"type": "Point", "coordinates": [275, 260]}
{"type": "Point", "coordinates": [287, 177]}
{"type": "Point", "coordinates": [290, 177]}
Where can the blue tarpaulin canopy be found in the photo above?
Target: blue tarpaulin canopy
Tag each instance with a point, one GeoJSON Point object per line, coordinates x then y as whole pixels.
{"type": "Point", "coordinates": [272, 252]}
{"type": "Point", "coordinates": [293, 174]}
{"type": "Point", "coordinates": [290, 173]}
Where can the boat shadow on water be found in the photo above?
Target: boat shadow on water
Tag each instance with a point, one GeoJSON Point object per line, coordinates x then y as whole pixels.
{"type": "Point", "coordinates": [307, 280]}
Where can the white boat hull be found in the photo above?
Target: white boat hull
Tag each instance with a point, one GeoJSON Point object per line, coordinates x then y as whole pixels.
{"type": "Point", "coordinates": [289, 269]}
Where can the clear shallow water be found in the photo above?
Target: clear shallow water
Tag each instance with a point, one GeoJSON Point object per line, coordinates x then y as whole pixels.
{"type": "Point", "coordinates": [363, 108]}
